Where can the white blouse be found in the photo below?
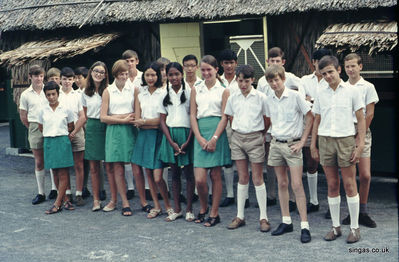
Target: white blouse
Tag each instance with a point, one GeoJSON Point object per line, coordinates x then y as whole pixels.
{"type": "Point", "coordinates": [149, 103]}
{"type": "Point", "coordinates": [120, 102]}
{"type": "Point", "coordinates": [209, 101]}
{"type": "Point", "coordinates": [32, 102]}
{"type": "Point", "coordinates": [55, 122]}
{"type": "Point", "coordinates": [93, 105]}
{"type": "Point", "coordinates": [178, 113]}
{"type": "Point", "coordinates": [73, 101]}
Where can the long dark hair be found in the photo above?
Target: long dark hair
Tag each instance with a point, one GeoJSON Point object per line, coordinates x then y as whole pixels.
{"type": "Point", "coordinates": [90, 86]}
{"type": "Point", "coordinates": [156, 66]}
{"type": "Point", "coordinates": [183, 99]}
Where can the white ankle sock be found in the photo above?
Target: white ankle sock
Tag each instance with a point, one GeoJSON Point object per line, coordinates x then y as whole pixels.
{"type": "Point", "coordinates": [78, 193]}
{"type": "Point", "coordinates": [165, 175]}
{"type": "Point", "coordinates": [53, 186]}
{"type": "Point", "coordinates": [261, 197]}
{"type": "Point", "coordinates": [242, 191]}
{"type": "Point", "coordinates": [334, 205]}
{"type": "Point", "coordinates": [353, 206]}
{"type": "Point", "coordinates": [129, 177]}
{"type": "Point", "coordinates": [229, 180]}
{"type": "Point", "coordinates": [68, 192]}
{"type": "Point", "coordinates": [312, 183]}
{"type": "Point", "coordinates": [40, 180]}
{"type": "Point", "coordinates": [287, 220]}
{"type": "Point", "coordinates": [305, 225]}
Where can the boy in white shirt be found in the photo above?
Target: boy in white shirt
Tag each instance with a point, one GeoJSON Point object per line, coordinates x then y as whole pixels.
{"type": "Point", "coordinates": [353, 66]}
{"type": "Point", "coordinates": [333, 108]}
{"type": "Point", "coordinates": [247, 112]}
{"type": "Point", "coordinates": [135, 75]}
{"type": "Point", "coordinates": [286, 109]}
{"type": "Point", "coordinates": [190, 67]}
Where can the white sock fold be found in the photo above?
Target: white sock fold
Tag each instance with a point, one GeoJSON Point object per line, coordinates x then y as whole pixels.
{"type": "Point", "coordinates": [312, 183]}
{"type": "Point", "coordinates": [78, 193]}
{"type": "Point", "coordinates": [40, 175]}
{"type": "Point", "coordinates": [353, 206]}
{"type": "Point", "coordinates": [334, 205]}
{"type": "Point", "coordinates": [305, 225]}
{"type": "Point", "coordinates": [229, 180]}
{"type": "Point", "coordinates": [53, 186]}
{"type": "Point", "coordinates": [242, 191]}
{"type": "Point", "coordinates": [129, 177]}
{"type": "Point", "coordinates": [261, 196]}
{"type": "Point", "coordinates": [287, 220]}
{"type": "Point", "coordinates": [68, 192]}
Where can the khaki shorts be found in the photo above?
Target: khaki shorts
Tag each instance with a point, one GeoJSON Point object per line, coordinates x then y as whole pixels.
{"type": "Point", "coordinates": [35, 137]}
{"type": "Point", "coordinates": [336, 151]}
{"type": "Point", "coordinates": [248, 146]}
{"type": "Point", "coordinates": [78, 142]}
{"type": "Point", "coordinates": [280, 155]}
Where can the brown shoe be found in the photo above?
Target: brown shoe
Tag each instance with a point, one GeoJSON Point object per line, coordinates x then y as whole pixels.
{"type": "Point", "coordinates": [264, 225]}
{"type": "Point", "coordinates": [354, 236]}
{"type": "Point", "coordinates": [236, 223]}
{"type": "Point", "coordinates": [79, 201]}
{"type": "Point", "coordinates": [333, 234]}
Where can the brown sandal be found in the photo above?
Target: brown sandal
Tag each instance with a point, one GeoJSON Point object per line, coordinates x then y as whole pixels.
{"type": "Point", "coordinates": [54, 209]}
{"type": "Point", "coordinates": [68, 205]}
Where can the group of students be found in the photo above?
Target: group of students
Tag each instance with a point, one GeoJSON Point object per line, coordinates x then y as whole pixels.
{"type": "Point", "coordinates": [158, 118]}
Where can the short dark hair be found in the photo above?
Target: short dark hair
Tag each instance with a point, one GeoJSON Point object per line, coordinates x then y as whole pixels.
{"type": "Point", "coordinates": [129, 54]}
{"type": "Point", "coordinates": [81, 70]}
{"type": "Point", "coordinates": [354, 56]}
{"type": "Point", "coordinates": [276, 52]}
{"type": "Point", "coordinates": [247, 71]}
{"type": "Point", "coordinates": [319, 53]}
{"type": "Point", "coordinates": [36, 70]}
{"type": "Point", "coordinates": [156, 66]}
{"type": "Point", "coordinates": [227, 55]}
{"type": "Point", "coordinates": [51, 86]}
{"type": "Point", "coordinates": [190, 57]}
{"type": "Point", "coordinates": [67, 72]}
{"type": "Point", "coordinates": [328, 60]}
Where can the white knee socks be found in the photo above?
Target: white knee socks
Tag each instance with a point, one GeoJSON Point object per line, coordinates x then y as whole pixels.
{"type": "Point", "coordinates": [40, 180]}
{"type": "Point", "coordinates": [312, 183]}
{"type": "Point", "coordinates": [229, 180]}
{"type": "Point", "coordinates": [261, 195]}
{"type": "Point", "coordinates": [353, 206]}
{"type": "Point", "coordinates": [242, 192]}
{"type": "Point", "coordinates": [129, 177]}
{"type": "Point", "coordinates": [334, 205]}
{"type": "Point", "coordinates": [53, 186]}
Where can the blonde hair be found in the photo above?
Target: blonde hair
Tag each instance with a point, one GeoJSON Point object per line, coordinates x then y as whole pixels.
{"type": "Point", "coordinates": [275, 70]}
{"type": "Point", "coordinates": [119, 67]}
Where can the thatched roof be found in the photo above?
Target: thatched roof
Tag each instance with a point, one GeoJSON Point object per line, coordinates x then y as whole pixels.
{"type": "Point", "coordinates": [375, 36]}
{"type": "Point", "coordinates": [51, 14]}
{"type": "Point", "coordinates": [54, 49]}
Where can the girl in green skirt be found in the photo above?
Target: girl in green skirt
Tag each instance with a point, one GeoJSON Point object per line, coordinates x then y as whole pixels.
{"type": "Point", "coordinates": [211, 149]}
{"type": "Point", "coordinates": [117, 112]}
{"type": "Point", "coordinates": [177, 147]}
{"type": "Point", "coordinates": [97, 81]}
{"type": "Point", "coordinates": [146, 151]}
{"type": "Point", "coordinates": [56, 123]}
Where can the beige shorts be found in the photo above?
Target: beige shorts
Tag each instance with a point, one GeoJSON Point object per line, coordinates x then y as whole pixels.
{"type": "Point", "coordinates": [280, 154]}
{"type": "Point", "coordinates": [35, 137]}
{"type": "Point", "coordinates": [336, 151]}
{"type": "Point", "coordinates": [78, 142]}
{"type": "Point", "coordinates": [248, 146]}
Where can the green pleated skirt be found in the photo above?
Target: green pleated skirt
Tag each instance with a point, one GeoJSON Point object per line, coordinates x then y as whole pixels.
{"type": "Point", "coordinates": [119, 143]}
{"type": "Point", "coordinates": [167, 154]}
{"type": "Point", "coordinates": [146, 150]}
{"type": "Point", "coordinates": [57, 152]}
{"type": "Point", "coordinates": [222, 155]}
{"type": "Point", "coordinates": [95, 139]}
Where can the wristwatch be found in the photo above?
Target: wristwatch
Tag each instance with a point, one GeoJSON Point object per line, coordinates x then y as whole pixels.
{"type": "Point", "coordinates": [216, 137]}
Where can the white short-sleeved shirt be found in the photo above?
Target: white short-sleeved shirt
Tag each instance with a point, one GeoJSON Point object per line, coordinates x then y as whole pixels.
{"type": "Point", "coordinates": [73, 101]}
{"type": "Point", "coordinates": [232, 86]}
{"type": "Point", "coordinates": [247, 112]}
{"type": "Point", "coordinates": [92, 104]}
{"type": "Point", "coordinates": [286, 114]}
{"type": "Point", "coordinates": [120, 102]}
{"type": "Point", "coordinates": [311, 84]}
{"type": "Point", "coordinates": [178, 114]}
{"type": "Point", "coordinates": [150, 103]}
{"type": "Point", "coordinates": [367, 92]}
{"type": "Point", "coordinates": [291, 81]}
{"type": "Point", "coordinates": [197, 81]}
{"type": "Point", "coordinates": [336, 110]}
{"type": "Point", "coordinates": [137, 81]}
{"type": "Point", "coordinates": [32, 103]}
{"type": "Point", "coordinates": [55, 122]}
{"type": "Point", "coordinates": [209, 101]}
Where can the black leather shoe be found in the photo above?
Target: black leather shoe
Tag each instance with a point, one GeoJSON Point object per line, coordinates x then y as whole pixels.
{"type": "Point", "coordinates": [247, 204]}
{"type": "Point", "coordinates": [365, 220]}
{"type": "Point", "coordinates": [271, 202]}
{"type": "Point", "coordinates": [292, 206]}
{"type": "Point", "coordinates": [38, 199]}
{"type": "Point", "coordinates": [85, 193]}
{"type": "Point", "coordinates": [103, 195]}
{"type": "Point", "coordinates": [148, 195]}
{"type": "Point", "coordinates": [282, 229]}
{"type": "Point", "coordinates": [327, 215]}
{"type": "Point", "coordinates": [346, 220]}
{"type": "Point", "coordinates": [195, 198]}
{"type": "Point", "coordinates": [130, 194]}
{"type": "Point", "coordinates": [313, 208]}
{"type": "Point", "coordinates": [53, 194]}
{"type": "Point", "coordinates": [227, 202]}
{"type": "Point", "coordinates": [182, 199]}
{"type": "Point", "coordinates": [305, 236]}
